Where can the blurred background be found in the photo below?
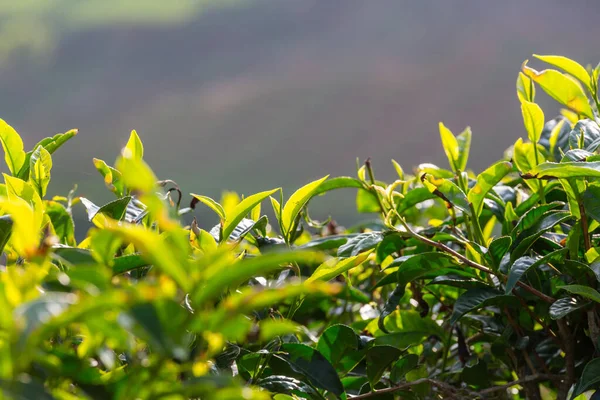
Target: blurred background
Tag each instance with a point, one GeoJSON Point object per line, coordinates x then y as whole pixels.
{"type": "Point", "coordinates": [248, 95]}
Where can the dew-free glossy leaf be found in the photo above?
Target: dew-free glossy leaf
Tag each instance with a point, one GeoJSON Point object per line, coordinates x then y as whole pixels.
{"type": "Point", "coordinates": [310, 363]}
{"type": "Point", "coordinates": [474, 299]}
{"type": "Point", "coordinates": [287, 385]}
{"type": "Point", "coordinates": [523, 264]}
{"type": "Point", "coordinates": [40, 167]}
{"type": "Point", "coordinates": [583, 291]}
{"type": "Point", "coordinates": [339, 182]}
{"type": "Point", "coordinates": [533, 119]}
{"type": "Point", "coordinates": [571, 67]}
{"type": "Point", "coordinates": [525, 88]}
{"type": "Point", "coordinates": [295, 203]}
{"type": "Point", "coordinates": [134, 147]}
{"type": "Point", "coordinates": [485, 182]}
{"type": "Point", "coordinates": [136, 174]}
{"type": "Point", "coordinates": [379, 358]}
{"type": "Point", "coordinates": [336, 266]}
{"type": "Point", "coordinates": [565, 170]}
{"type": "Point", "coordinates": [212, 204]}
{"type": "Point", "coordinates": [562, 307]}
{"type": "Point", "coordinates": [241, 210]}
{"type": "Point", "coordinates": [14, 155]}
{"type": "Point", "coordinates": [360, 243]}
{"type": "Point", "coordinates": [112, 177]}
{"type": "Point", "coordinates": [533, 215]}
{"type": "Point", "coordinates": [590, 378]}
{"type": "Point", "coordinates": [51, 144]}
{"type": "Point", "coordinates": [336, 343]}
{"type": "Point", "coordinates": [561, 88]}
{"type": "Point", "coordinates": [498, 249]}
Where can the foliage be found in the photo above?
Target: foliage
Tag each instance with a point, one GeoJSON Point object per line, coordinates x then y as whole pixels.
{"type": "Point", "coordinates": [466, 286]}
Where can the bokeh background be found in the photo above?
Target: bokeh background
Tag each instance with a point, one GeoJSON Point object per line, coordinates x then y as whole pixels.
{"type": "Point", "coordinates": [247, 95]}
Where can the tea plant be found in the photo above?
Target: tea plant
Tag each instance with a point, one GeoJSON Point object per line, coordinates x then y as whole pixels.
{"type": "Point", "coordinates": [466, 286]}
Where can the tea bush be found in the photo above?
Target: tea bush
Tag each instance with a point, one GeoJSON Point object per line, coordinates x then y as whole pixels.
{"type": "Point", "coordinates": [465, 286]}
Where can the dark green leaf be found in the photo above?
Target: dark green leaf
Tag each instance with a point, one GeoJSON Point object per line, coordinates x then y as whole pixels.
{"type": "Point", "coordinates": [359, 244]}
{"type": "Point", "coordinates": [379, 358]}
{"type": "Point", "coordinates": [414, 197]}
{"type": "Point", "coordinates": [287, 385]}
{"type": "Point", "coordinates": [485, 182]}
{"type": "Point", "coordinates": [310, 363]}
{"type": "Point", "coordinates": [533, 215]}
{"type": "Point", "coordinates": [474, 299]}
{"type": "Point", "coordinates": [402, 366]}
{"type": "Point", "coordinates": [498, 249]}
{"type": "Point", "coordinates": [339, 182]}
{"type": "Point", "coordinates": [327, 242]}
{"type": "Point", "coordinates": [115, 209]}
{"type": "Point", "coordinates": [339, 345]}
{"type": "Point", "coordinates": [583, 291]}
{"type": "Point", "coordinates": [5, 230]}
{"type": "Point", "coordinates": [523, 264]}
{"type": "Point", "coordinates": [590, 378]}
{"type": "Point", "coordinates": [591, 201]}
{"type": "Point", "coordinates": [561, 307]}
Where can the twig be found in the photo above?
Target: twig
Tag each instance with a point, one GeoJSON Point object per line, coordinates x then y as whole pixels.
{"type": "Point", "coordinates": [527, 379]}
{"type": "Point", "coordinates": [473, 264]}
{"type": "Point", "coordinates": [569, 349]}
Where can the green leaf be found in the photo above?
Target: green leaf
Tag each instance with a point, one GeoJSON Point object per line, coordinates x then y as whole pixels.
{"type": "Point", "coordinates": [134, 147]}
{"type": "Point", "coordinates": [485, 182]}
{"type": "Point", "coordinates": [523, 264]}
{"type": "Point", "coordinates": [562, 307]}
{"type": "Point", "coordinates": [40, 166]}
{"type": "Point", "coordinates": [366, 202]}
{"type": "Point", "coordinates": [571, 67]}
{"type": "Point", "coordinates": [533, 119]}
{"type": "Point", "coordinates": [379, 358]}
{"type": "Point", "coordinates": [5, 230]}
{"type": "Point", "coordinates": [336, 266]}
{"type": "Point", "coordinates": [112, 177]}
{"type": "Point", "coordinates": [62, 222]}
{"type": "Point", "coordinates": [534, 215]}
{"type": "Point", "coordinates": [450, 145]}
{"type": "Point", "coordinates": [287, 385]}
{"type": "Point", "coordinates": [524, 157]}
{"type": "Point", "coordinates": [561, 88]}
{"type": "Point", "coordinates": [474, 299]}
{"type": "Point", "coordinates": [428, 264]}
{"type": "Point", "coordinates": [498, 249]}
{"type": "Point", "coordinates": [525, 88]}
{"type": "Point", "coordinates": [526, 239]}
{"type": "Point", "coordinates": [295, 203]}
{"type": "Point", "coordinates": [339, 182]}
{"type": "Point", "coordinates": [155, 250]}
{"type": "Point", "coordinates": [276, 209]}
{"type": "Point", "coordinates": [360, 243]}
{"type": "Point", "coordinates": [565, 170]}
{"type": "Point", "coordinates": [327, 242]}
{"type": "Point", "coordinates": [590, 378]}
{"type": "Point", "coordinates": [414, 197]}
{"type": "Point", "coordinates": [459, 281]}
{"type": "Point", "coordinates": [14, 155]}
{"type": "Point", "coordinates": [402, 366]}
{"type": "Point", "coordinates": [115, 209]}
{"type": "Point", "coordinates": [339, 345]}
{"type": "Point", "coordinates": [212, 204]}
{"type": "Point", "coordinates": [242, 209]}
{"type": "Point", "coordinates": [591, 201]}
{"type": "Point", "coordinates": [24, 390]}
{"type": "Point", "coordinates": [220, 277]}
{"type": "Point", "coordinates": [128, 263]}
{"type": "Point", "coordinates": [310, 363]}
{"type": "Point", "coordinates": [583, 291]}
{"type": "Point", "coordinates": [447, 191]}
{"type": "Point", "coordinates": [51, 144]}
{"type": "Point", "coordinates": [407, 328]}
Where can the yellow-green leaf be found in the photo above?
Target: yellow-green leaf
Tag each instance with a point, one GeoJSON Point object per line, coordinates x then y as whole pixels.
{"type": "Point", "coordinates": [336, 266]}
{"type": "Point", "coordinates": [571, 67]}
{"type": "Point", "coordinates": [295, 203]}
{"type": "Point", "coordinates": [485, 182]}
{"type": "Point", "coordinates": [533, 119]}
{"type": "Point", "coordinates": [276, 208]}
{"type": "Point", "coordinates": [525, 88]}
{"type": "Point", "coordinates": [134, 148]}
{"type": "Point", "coordinates": [25, 236]}
{"type": "Point", "coordinates": [450, 145]}
{"type": "Point", "coordinates": [524, 158]}
{"type": "Point", "coordinates": [14, 155]}
{"type": "Point", "coordinates": [241, 210]}
{"type": "Point", "coordinates": [561, 88]}
{"type": "Point", "coordinates": [40, 167]}
{"type": "Point", "coordinates": [212, 204]}
{"type": "Point", "coordinates": [155, 249]}
{"type": "Point", "coordinates": [136, 174]}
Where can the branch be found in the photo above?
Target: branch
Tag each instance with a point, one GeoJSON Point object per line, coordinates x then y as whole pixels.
{"type": "Point", "coordinates": [453, 391]}
{"type": "Point", "coordinates": [470, 263]}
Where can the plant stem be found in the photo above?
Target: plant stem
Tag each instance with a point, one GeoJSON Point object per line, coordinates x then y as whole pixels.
{"type": "Point", "coordinates": [472, 264]}
{"type": "Point", "coordinates": [369, 168]}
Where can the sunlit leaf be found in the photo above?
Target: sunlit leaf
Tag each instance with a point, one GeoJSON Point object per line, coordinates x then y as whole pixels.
{"type": "Point", "coordinates": [14, 155]}
{"type": "Point", "coordinates": [485, 182]}
{"type": "Point", "coordinates": [212, 204]}
{"type": "Point", "coordinates": [561, 88]}
{"type": "Point", "coordinates": [242, 209]}
{"type": "Point", "coordinates": [336, 266]}
{"type": "Point", "coordinates": [571, 67]}
{"type": "Point", "coordinates": [134, 147]}
{"type": "Point", "coordinates": [295, 203]}
{"type": "Point", "coordinates": [533, 118]}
